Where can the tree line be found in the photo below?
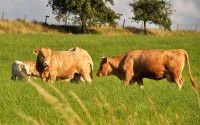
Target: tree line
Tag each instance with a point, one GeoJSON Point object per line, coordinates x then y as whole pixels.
{"type": "Point", "coordinates": [97, 12]}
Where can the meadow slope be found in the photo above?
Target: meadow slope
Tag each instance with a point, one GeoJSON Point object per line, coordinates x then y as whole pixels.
{"type": "Point", "coordinates": [107, 100]}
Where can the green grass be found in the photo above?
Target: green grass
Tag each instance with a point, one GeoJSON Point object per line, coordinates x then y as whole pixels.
{"type": "Point", "coordinates": [107, 99]}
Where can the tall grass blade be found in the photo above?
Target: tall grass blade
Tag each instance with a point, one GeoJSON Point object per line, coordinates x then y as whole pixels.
{"type": "Point", "coordinates": [83, 107]}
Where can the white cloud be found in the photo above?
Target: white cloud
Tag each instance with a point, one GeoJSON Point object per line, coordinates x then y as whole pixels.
{"type": "Point", "coordinates": [186, 12]}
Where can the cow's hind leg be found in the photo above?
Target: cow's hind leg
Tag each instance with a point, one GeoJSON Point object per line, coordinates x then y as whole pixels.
{"type": "Point", "coordinates": [181, 80]}
{"type": "Point", "coordinates": [87, 77]}
{"type": "Point", "coordinates": [178, 80]}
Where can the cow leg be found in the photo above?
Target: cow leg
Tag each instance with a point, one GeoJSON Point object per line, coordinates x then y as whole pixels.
{"type": "Point", "coordinates": [128, 77]}
{"type": "Point", "coordinates": [140, 83]}
{"type": "Point", "coordinates": [181, 80]}
{"type": "Point", "coordinates": [132, 81]}
{"type": "Point", "coordinates": [45, 76]}
{"type": "Point", "coordinates": [53, 76]}
{"type": "Point", "coordinates": [77, 77]}
{"type": "Point", "coordinates": [13, 78]}
{"type": "Point", "coordinates": [67, 80]}
{"type": "Point", "coordinates": [87, 77]}
{"type": "Point", "coordinates": [178, 80]}
{"type": "Point", "coordinates": [177, 71]}
{"type": "Point", "coordinates": [82, 79]}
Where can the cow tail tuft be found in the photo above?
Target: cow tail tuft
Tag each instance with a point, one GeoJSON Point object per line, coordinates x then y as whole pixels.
{"type": "Point", "coordinates": [194, 84]}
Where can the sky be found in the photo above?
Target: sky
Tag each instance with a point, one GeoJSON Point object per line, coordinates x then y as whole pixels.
{"type": "Point", "coordinates": [186, 14]}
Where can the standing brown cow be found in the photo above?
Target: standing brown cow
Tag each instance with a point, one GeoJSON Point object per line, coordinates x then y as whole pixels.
{"type": "Point", "coordinates": [62, 64]}
{"type": "Point", "coordinates": [154, 64]}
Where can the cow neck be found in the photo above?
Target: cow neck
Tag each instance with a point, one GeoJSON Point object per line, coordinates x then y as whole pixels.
{"type": "Point", "coordinates": [114, 63]}
{"type": "Point", "coordinates": [54, 55]}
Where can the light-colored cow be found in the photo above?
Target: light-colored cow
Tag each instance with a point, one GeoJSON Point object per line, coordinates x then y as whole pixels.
{"type": "Point", "coordinates": [20, 70]}
{"type": "Point", "coordinates": [77, 77]}
{"type": "Point", "coordinates": [135, 65]}
{"type": "Point", "coordinates": [62, 64]}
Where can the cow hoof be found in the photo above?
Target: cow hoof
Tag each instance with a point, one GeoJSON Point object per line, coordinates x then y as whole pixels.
{"type": "Point", "coordinates": [142, 87]}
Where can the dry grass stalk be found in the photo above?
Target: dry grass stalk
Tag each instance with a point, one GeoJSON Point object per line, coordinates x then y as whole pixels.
{"type": "Point", "coordinates": [177, 119]}
{"type": "Point", "coordinates": [65, 111]}
{"type": "Point", "coordinates": [29, 118]}
{"type": "Point", "coordinates": [110, 116]}
{"type": "Point", "coordinates": [68, 106]}
{"type": "Point", "coordinates": [83, 107]}
{"type": "Point", "coordinates": [20, 26]}
{"type": "Point", "coordinates": [158, 117]}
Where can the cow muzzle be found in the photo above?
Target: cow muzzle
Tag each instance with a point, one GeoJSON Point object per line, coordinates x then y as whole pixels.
{"type": "Point", "coordinates": [98, 74]}
{"type": "Point", "coordinates": [45, 64]}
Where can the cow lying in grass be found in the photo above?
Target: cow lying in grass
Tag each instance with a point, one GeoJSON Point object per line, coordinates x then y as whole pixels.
{"type": "Point", "coordinates": [20, 70]}
{"type": "Point", "coordinates": [62, 64]}
{"type": "Point", "coordinates": [135, 65]}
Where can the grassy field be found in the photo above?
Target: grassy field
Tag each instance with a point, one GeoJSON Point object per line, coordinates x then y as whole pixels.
{"type": "Point", "coordinates": [107, 100]}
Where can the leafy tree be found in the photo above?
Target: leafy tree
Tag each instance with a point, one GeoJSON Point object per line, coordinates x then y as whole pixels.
{"type": "Point", "coordinates": [152, 11]}
{"type": "Point", "coordinates": [86, 12]}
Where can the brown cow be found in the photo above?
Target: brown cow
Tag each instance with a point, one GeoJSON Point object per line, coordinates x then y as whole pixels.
{"type": "Point", "coordinates": [154, 64]}
{"type": "Point", "coordinates": [33, 70]}
{"type": "Point", "coordinates": [62, 64]}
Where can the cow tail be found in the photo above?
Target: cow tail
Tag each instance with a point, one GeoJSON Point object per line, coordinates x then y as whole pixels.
{"type": "Point", "coordinates": [91, 71]}
{"type": "Point", "coordinates": [194, 84]}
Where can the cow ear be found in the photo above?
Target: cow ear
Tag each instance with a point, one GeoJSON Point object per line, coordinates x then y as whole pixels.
{"type": "Point", "coordinates": [36, 52]}
{"type": "Point", "coordinates": [105, 59]}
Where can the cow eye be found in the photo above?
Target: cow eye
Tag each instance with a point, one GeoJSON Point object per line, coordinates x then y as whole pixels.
{"type": "Point", "coordinates": [43, 56]}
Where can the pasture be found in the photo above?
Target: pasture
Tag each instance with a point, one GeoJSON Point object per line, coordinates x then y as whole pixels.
{"type": "Point", "coordinates": [107, 100]}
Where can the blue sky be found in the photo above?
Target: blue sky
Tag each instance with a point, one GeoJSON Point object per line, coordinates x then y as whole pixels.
{"type": "Point", "coordinates": [186, 14]}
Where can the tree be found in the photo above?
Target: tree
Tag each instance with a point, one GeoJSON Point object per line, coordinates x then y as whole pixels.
{"type": "Point", "coordinates": [157, 12]}
{"type": "Point", "coordinates": [86, 12]}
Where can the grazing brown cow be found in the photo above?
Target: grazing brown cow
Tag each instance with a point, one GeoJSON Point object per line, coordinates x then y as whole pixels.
{"type": "Point", "coordinates": [33, 70]}
{"type": "Point", "coordinates": [62, 64]}
{"type": "Point", "coordinates": [154, 64]}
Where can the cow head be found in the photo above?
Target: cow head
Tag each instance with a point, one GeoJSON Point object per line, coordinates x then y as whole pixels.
{"type": "Point", "coordinates": [24, 69]}
{"type": "Point", "coordinates": [43, 56]}
{"type": "Point", "coordinates": [105, 68]}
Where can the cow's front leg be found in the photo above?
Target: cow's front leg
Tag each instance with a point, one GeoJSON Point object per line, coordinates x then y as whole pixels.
{"type": "Point", "coordinates": [53, 74]}
{"type": "Point", "coordinates": [45, 76]}
{"type": "Point", "coordinates": [128, 77]}
{"type": "Point", "coordinates": [140, 83]}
